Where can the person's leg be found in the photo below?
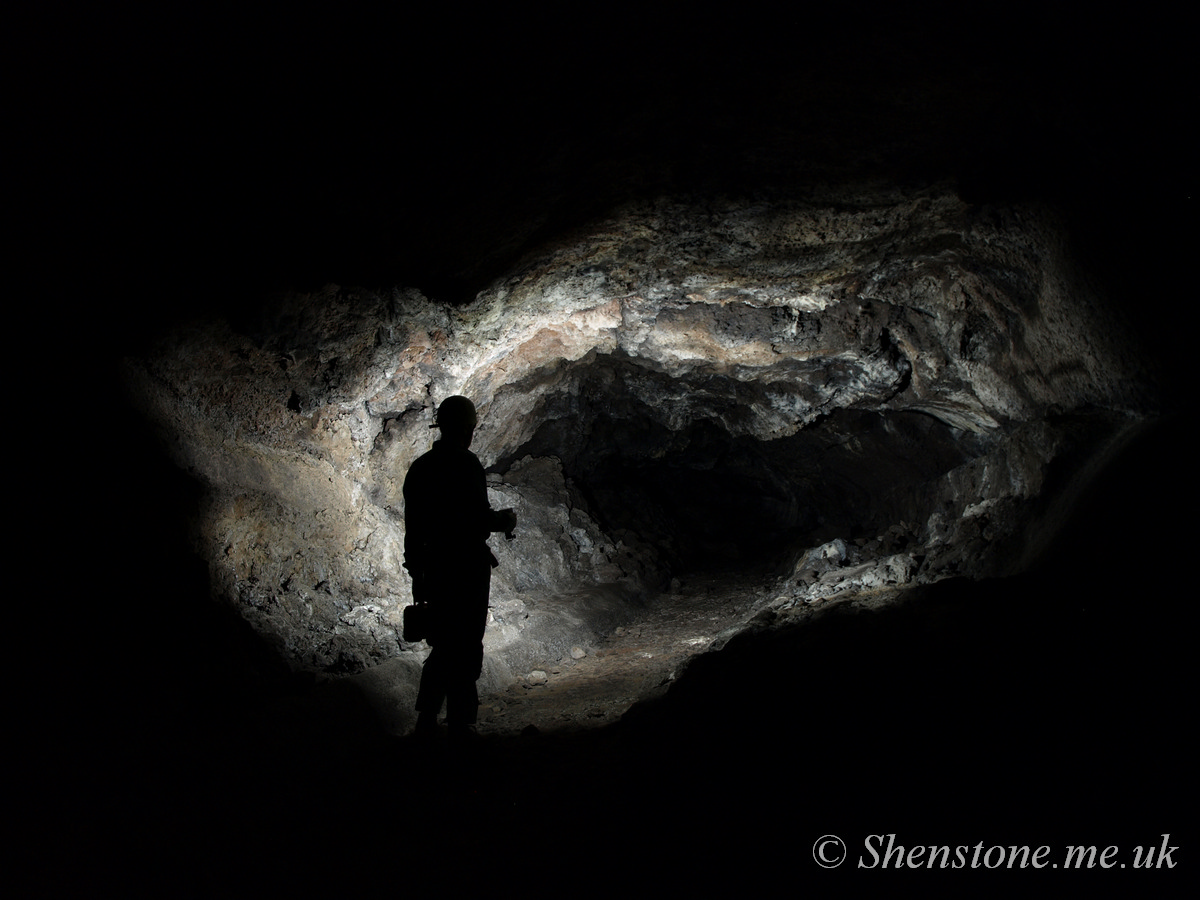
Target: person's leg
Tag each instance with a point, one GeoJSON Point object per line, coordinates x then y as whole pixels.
{"type": "Point", "coordinates": [432, 691]}
{"type": "Point", "coordinates": [466, 665]}
{"type": "Point", "coordinates": [457, 658]}
{"type": "Point", "coordinates": [462, 692]}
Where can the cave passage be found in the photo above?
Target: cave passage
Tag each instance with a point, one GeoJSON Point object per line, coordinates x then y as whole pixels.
{"type": "Point", "coordinates": [703, 495]}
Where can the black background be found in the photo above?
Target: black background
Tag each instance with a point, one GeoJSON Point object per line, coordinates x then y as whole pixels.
{"type": "Point", "coordinates": [178, 162]}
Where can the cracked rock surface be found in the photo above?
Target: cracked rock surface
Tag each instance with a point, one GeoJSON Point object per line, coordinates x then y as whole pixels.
{"type": "Point", "coordinates": [867, 389]}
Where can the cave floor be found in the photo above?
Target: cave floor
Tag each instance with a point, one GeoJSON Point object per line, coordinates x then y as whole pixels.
{"type": "Point", "coordinates": [635, 662]}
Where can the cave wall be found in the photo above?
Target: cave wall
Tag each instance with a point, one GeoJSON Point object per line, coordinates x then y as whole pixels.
{"type": "Point", "coordinates": [925, 381]}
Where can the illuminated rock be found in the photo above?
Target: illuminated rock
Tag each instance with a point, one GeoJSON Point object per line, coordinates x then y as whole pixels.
{"type": "Point", "coordinates": [685, 384]}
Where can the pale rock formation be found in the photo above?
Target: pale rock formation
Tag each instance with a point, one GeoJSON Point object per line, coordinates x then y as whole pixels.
{"type": "Point", "coordinates": [922, 383]}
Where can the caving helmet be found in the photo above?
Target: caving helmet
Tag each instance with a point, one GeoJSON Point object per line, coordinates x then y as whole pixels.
{"type": "Point", "coordinates": [456, 413]}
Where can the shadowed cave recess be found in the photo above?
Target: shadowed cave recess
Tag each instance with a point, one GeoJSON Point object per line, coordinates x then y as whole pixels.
{"type": "Point", "coordinates": [706, 498]}
{"type": "Point", "coordinates": [829, 401]}
{"type": "Point", "coordinates": [836, 371]}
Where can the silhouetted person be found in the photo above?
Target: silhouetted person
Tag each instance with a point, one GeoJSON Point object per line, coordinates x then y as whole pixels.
{"type": "Point", "coordinates": [447, 521]}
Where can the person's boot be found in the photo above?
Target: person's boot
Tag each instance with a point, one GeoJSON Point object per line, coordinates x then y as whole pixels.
{"type": "Point", "coordinates": [427, 725]}
{"type": "Point", "coordinates": [461, 735]}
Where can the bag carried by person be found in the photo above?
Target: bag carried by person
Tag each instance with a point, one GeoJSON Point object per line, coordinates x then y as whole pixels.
{"type": "Point", "coordinates": [416, 622]}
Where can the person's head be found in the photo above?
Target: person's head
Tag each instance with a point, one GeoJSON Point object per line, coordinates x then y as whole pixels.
{"type": "Point", "coordinates": [456, 418]}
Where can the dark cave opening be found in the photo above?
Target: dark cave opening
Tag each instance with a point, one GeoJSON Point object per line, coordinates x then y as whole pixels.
{"type": "Point", "coordinates": [681, 477]}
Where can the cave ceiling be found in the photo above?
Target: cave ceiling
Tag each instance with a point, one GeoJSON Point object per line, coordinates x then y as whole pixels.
{"type": "Point", "coordinates": [689, 384]}
{"type": "Point", "coordinates": [738, 317]}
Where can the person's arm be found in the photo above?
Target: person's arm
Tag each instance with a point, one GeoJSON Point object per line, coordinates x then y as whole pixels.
{"type": "Point", "coordinates": [503, 520]}
{"type": "Point", "coordinates": [493, 520]}
{"type": "Point", "coordinates": [415, 539]}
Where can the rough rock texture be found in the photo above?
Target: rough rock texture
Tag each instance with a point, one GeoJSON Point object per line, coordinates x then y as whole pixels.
{"type": "Point", "coordinates": [868, 388]}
